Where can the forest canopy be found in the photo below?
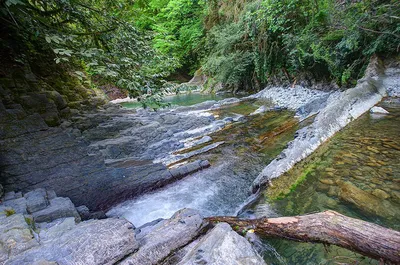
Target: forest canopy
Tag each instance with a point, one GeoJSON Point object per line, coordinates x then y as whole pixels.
{"type": "Point", "coordinates": [240, 44]}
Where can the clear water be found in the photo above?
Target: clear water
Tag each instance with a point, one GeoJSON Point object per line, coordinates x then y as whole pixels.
{"type": "Point", "coordinates": [356, 173]}
{"type": "Point", "coordinates": [187, 99]}
{"type": "Point", "coordinates": [222, 188]}
{"type": "Point", "coordinates": [364, 157]}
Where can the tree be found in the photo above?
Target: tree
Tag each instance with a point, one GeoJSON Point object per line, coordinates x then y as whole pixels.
{"type": "Point", "coordinates": [99, 34]}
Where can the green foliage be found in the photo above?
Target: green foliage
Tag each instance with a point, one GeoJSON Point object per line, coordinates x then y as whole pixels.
{"type": "Point", "coordinates": [178, 28]}
{"type": "Point", "coordinates": [9, 212]}
{"type": "Point", "coordinates": [238, 43]}
{"type": "Point", "coordinates": [100, 34]}
{"type": "Point", "coordinates": [274, 38]}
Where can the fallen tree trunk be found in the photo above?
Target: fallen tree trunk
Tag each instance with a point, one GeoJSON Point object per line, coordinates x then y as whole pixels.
{"type": "Point", "coordinates": [328, 227]}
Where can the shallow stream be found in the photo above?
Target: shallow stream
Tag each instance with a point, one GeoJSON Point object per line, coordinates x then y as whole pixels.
{"type": "Point", "coordinates": [222, 188]}
{"type": "Point", "coordinates": [356, 173]}
{"type": "Point", "coordinates": [187, 99]}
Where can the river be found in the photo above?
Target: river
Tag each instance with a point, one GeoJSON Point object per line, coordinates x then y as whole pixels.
{"type": "Point", "coordinates": [364, 157]}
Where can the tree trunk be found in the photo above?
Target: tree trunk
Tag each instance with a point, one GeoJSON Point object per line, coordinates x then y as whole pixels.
{"type": "Point", "coordinates": [328, 227]}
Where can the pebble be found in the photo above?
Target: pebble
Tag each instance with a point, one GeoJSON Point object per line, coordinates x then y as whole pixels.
{"type": "Point", "coordinates": [380, 194]}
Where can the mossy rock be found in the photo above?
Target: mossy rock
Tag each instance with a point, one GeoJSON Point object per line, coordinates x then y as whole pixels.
{"type": "Point", "coordinates": [75, 105]}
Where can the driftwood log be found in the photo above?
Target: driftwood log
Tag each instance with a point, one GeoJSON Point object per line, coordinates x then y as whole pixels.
{"type": "Point", "coordinates": [327, 227]}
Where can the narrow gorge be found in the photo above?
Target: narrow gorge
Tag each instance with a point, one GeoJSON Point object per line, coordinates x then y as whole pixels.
{"type": "Point", "coordinates": [199, 132]}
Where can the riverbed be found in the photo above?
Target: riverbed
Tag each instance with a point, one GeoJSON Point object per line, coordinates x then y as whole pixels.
{"type": "Point", "coordinates": [356, 173]}
{"type": "Point", "coordinates": [247, 146]}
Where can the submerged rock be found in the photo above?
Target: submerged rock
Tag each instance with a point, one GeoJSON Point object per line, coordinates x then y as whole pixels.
{"type": "Point", "coordinates": [189, 168]}
{"type": "Point", "coordinates": [261, 109]}
{"type": "Point", "coordinates": [366, 201]}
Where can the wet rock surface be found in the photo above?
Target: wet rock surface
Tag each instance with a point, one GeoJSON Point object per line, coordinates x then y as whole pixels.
{"type": "Point", "coordinates": [108, 155]}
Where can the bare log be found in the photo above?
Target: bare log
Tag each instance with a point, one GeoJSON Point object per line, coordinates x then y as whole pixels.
{"type": "Point", "coordinates": [327, 227]}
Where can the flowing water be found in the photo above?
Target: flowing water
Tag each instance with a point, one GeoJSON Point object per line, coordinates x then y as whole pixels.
{"type": "Point", "coordinates": [356, 173]}
{"type": "Point", "coordinates": [186, 99]}
{"type": "Point", "coordinates": [222, 188]}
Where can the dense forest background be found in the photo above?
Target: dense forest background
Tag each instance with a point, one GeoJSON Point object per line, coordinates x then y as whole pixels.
{"type": "Point", "coordinates": [139, 45]}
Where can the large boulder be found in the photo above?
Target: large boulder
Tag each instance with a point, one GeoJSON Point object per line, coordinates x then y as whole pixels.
{"type": "Point", "coordinates": [166, 236]}
{"type": "Point", "coordinates": [57, 99]}
{"type": "Point", "coordinates": [222, 246]}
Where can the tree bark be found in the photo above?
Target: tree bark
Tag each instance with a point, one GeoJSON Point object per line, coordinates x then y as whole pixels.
{"type": "Point", "coordinates": [328, 227]}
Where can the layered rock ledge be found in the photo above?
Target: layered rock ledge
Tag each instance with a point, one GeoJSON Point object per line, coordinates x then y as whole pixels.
{"type": "Point", "coordinates": [108, 155]}
{"type": "Point", "coordinates": [40, 228]}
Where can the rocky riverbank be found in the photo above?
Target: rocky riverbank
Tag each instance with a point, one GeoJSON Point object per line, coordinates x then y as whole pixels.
{"type": "Point", "coordinates": [40, 228]}
{"type": "Point", "coordinates": [110, 154]}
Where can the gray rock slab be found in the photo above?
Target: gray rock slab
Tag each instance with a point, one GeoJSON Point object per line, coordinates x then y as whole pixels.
{"type": "Point", "coordinates": [36, 200]}
{"type": "Point", "coordinates": [55, 229]}
{"type": "Point", "coordinates": [59, 208]}
{"type": "Point", "coordinates": [93, 242]}
{"type": "Point", "coordinates": [9, 196]}
{"type": "Point", "coordinates": [189, 168]}
{"type": "Point", "coordinates": [222, 246]}
{"type": "Point", "coordinates": [18, 205]}
{"type": "Point", "coordinates": [378, 110]}
{"type": "Point", "coordinates": [174, 233]}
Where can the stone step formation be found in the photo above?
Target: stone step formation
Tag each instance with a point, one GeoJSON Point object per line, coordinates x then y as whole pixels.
{"type": "Point", "coordinates": [40, 228]}
{"type": "Point", "coordinates": [110, 155]}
